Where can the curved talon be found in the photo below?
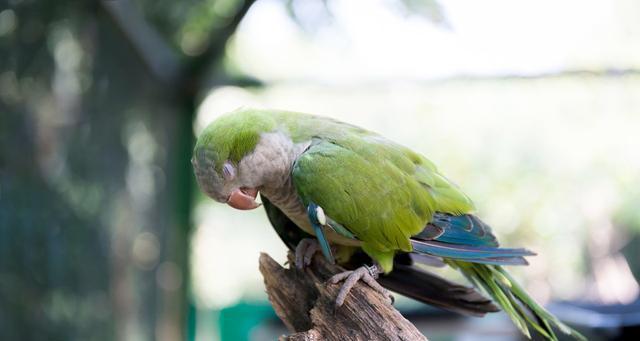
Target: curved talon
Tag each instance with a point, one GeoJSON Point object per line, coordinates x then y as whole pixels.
{"type": "Point", "coordinates": [350, 278]}
{"type": "Point", "coordinates": [305, 251]}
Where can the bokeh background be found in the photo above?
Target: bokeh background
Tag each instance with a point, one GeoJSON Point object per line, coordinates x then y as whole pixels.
{"type": "Point", "coordinates": [532, 107]}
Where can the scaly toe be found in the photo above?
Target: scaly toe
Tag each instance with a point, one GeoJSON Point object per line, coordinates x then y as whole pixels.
{"type": "Point", "coordinates": [350, 279]}
{"type": "Point", "coordinates": [310, 252]}
{"type": "Point", "coordinates": [367, 278]}
{"type": "Point", "coordinates": [304, 247]}
{"type": "Point", "coordinates": [335, 279]}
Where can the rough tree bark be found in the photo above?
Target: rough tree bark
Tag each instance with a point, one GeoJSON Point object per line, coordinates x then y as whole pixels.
{"type": "Point", "coordinates": [305, 303]}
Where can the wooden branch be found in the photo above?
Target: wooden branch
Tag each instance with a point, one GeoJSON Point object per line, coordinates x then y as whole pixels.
{"type": "Point", "coordinates": [306, 305]}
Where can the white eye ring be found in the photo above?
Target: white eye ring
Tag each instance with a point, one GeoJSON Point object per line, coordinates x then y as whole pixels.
{"type": "Point", "coordinates": [228, 171]}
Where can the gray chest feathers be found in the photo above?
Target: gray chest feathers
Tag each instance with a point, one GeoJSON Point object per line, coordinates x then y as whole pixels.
{"type": "Point", "coordinates": [270, 165]}
{"type": "Point", "coordinates": [288, 201]}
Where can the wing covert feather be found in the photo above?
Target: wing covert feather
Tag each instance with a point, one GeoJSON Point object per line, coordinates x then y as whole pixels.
{"type": "Point", "coordinates": [368, 192]}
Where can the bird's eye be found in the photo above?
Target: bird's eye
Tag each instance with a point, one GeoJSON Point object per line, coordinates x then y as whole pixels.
{"type": "Point", "coordinates": [228, 171]}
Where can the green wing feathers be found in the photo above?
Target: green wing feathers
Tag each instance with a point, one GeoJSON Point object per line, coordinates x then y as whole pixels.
{"type": "Point", "coordinates": [373, 207]}
{"type": "Point", "coordinates": [380, 191]}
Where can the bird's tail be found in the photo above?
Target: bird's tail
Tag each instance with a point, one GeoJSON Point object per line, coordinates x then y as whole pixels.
{"type": "Point", "coordinates": [411, 281]}
{"type": "Point", "coordinates": [506, 292]}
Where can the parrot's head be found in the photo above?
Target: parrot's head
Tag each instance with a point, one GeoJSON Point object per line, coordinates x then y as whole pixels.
{"type": "Point", "coordinates": [227, 163]}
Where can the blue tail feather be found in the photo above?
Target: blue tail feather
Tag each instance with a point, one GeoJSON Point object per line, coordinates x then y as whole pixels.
{"type": "Point", "coordinates": [502, 261]}
{"type": "Point", "coordinates": [464, 229]}
{"type": "Point", "coordinates": [476, 254]}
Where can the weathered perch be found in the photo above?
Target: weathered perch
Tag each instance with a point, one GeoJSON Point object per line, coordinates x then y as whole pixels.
{"type": "Point", "coordinates": [305, 303]}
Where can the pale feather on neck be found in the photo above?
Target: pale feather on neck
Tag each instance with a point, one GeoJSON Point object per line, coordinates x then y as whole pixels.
{"type": "Point", "coordinates": [268, 167]}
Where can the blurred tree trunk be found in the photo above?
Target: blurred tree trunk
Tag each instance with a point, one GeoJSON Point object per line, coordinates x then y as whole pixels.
{"type": "Point", "coordinates": [95, 179]}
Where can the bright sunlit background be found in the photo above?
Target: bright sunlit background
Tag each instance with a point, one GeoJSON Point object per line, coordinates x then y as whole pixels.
{"type": "Point", "coordinates": [530, 106]}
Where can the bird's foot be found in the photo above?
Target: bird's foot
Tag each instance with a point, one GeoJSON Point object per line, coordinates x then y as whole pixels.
{"type": "Point", "coordinates": [305, 250]}
{"type": "Point", "coordinates": [368, 274]}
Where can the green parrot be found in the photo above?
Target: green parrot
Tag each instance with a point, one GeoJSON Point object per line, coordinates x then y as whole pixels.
{"type": "Point", "coordinates": [362, 199]}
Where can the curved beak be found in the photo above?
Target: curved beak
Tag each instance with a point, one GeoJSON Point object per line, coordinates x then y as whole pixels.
{"type": "Point", "coordinates": [243, 199]}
